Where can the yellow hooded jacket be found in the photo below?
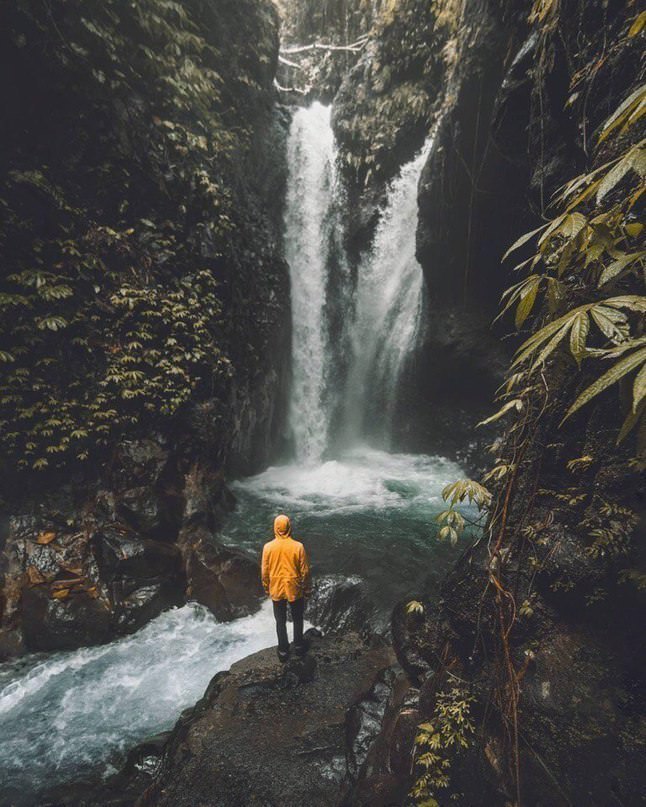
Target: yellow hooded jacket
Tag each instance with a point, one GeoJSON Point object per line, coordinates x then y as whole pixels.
{"type": "Point", "coordinates": [285, 567]}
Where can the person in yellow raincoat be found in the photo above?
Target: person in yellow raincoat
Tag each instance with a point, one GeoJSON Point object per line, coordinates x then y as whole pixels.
{"type": "Point", "coordinates": [286, 578]}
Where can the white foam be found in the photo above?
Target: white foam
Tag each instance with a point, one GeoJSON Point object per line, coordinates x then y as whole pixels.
{"type": "Point", "coordinates": [74, 711]}
{"type": "Point", "coordinates": [309, 230]}
{"type": "Point", "coordinates": [363, 479]}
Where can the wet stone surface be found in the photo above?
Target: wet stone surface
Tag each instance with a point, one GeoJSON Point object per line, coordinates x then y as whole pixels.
{"type": "Point", "coordinates": [240, 743]}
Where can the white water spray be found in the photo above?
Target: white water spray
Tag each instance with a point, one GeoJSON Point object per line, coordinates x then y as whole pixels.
{"type": "Point", "coordinates": [77, 713]}
{"type": "Point", "coordinates": [308, 230]}
{"type": "Point", "coordinates": [389, 305]}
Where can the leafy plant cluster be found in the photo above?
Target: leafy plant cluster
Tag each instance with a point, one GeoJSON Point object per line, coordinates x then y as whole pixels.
{"type": "Point", "coordinates": [450, 730]}
{"type": "Point", "coordinates": [130, 348]}
{"type": "Point", "coordinates": [582, 299]}
{"type": "Point", "coordinates": [593, 248]}
{"type": "Point", "coordinates": [452, 521]}
{"type": "Point", "coordinates": [118, 182]}
{"type": "Point", "coordinates": [399, 76]}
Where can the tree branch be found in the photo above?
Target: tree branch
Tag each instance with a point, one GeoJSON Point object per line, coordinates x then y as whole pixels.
{"type": "Point", "coordinates": [355, 47]}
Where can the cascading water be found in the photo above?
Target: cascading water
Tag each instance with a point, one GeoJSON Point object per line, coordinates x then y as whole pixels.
{"type": "Point", "coordinates": [389, 305]}
{"type": "Point", "coordinates": [309, 234]}
{"type": "Point", "coordinates": [78, 713]}
{"type": "Point", "coordinates": [384, 319]}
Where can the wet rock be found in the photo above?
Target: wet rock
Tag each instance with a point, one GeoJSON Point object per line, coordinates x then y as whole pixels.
{"type": "Point", "coordinates": [145, 488]}
{"type": "Point", "coordinates": [207, 499]}
{"type": "Point", "coordinates": [51, 624]}
{"type": "Point", "coordinates": [48, 600]}
{"type": "Point", "coordinates": [414, 637]}
{"type": "Point", "coordinates": [223, 578]}
{"type": "Point", "coordinates": [143, 577]}
{"type": "Point", "coordinates": [255, 740]}
{"type": "Point", "coordinates": [123, 555]}
{"type": "Point", "coordinates": [339, 603]}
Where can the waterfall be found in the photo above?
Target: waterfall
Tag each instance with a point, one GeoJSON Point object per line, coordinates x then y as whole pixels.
{"type": "Point", "coordinates": [380, 317]}
{"type": "Point", "coordinates": [389, 306]}
{"type": "Point", "coordinates": [309, 240]}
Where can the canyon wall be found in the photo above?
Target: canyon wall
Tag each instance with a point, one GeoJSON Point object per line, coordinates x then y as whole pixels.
{"type": "Point", "coordinates": [145, 306]}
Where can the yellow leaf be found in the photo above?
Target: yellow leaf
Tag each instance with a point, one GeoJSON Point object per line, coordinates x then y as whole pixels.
{"type": "Point", "coordinates": [610, 377]}
{"type": "Point", "coordinates": [639, 388]}
{"type": "Point", "coordinates": [46, 537]}
{"type": "Point", "coordinates": [578, 336]}
{"type": "Point", "coordinates": [638, 24]}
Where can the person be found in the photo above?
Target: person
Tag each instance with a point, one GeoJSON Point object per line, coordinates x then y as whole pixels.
{"type": "Point", "coordinates": [286, 578]}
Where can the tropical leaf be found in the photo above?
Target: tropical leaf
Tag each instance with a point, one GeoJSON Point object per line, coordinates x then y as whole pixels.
{"type": "Point", "coordinates": [527, 299]}
{"type": "Point", "coordinates": [617, 266]}
{"type": "Point", "coordinates": [638, 24]}
{"type": "Point", "coordinates": [546, 332]}
{"type": "Point", "coordinates": [610, 377]}
{"type": "Point", "coordinates": [614, 176]}
{"type": "Point", "coordinates": [639, 388]}
{"type": "Point", "coordinates": [549, 348]}
{"type": "Point", "coordinates": [611, 322]}
{"type": "Point", "coordinates": [632, 418]}
{"type": "Point", "coordinates": [522, 240]}
{"type": "Point", "coordinates": [636, 302]}
{"type": "Point", "coordinates": [516, 404]}
{"type": "Point", "coordinates": [624, 112]}
{"type": "Point", "coordinates": [579, 335]}
{"type": "Point", "coordinates": [466, 489]}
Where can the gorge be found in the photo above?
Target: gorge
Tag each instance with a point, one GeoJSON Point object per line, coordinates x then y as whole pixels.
{"type": "Point", "coordinates": [247, 274]}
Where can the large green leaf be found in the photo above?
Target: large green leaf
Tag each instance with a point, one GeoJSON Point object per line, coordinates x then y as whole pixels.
{"type": "Point", "coordinates": [527, 300]}
{"type": "Point", "coordinates": [617, 266]}
{"type": "Point", "coordinates": [516, 404]}
{"type": "Point", "coordinates": [522, 240]}
{"type": "Point", "coordinates": [611, 322]}
{"type": "Point", "coordinates": [610, 377]}
{"type": "Point", "coordinates": [639, 388]}
{"type": "Point", "coordinates": [624, 109]}
{"type": "Point", "coordinates": [614, 176]}
{"type": "Point", "coordinates": [632, 418]}
{"type": "Point", "coordinates": [579, 335]}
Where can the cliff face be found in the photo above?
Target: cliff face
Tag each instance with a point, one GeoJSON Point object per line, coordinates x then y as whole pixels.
{"type": "Point", "coordinates": [145, 301]}
{"type": "Point", "coordinates": [515, 103]}
{"type": "Point", "coordinates": [536, 635]}
{"type": "Point", "coordinates": [435, 71]}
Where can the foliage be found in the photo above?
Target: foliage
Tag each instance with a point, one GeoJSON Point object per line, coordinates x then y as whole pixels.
{"type": "Point", "coordinates": [452, 521]}
{"type": "Point", "coordinates": [449, 731]}
{"type": "Point", "coordinates": [580, 301]}
{"type": "Point", "coordinates": [392, 109]}
{"type": "Point", "coordinates": [593, 246]}
{"type": "Point", "coordinates": [610, 530]}
{"type": "Point", "coordinates": [119, 229]}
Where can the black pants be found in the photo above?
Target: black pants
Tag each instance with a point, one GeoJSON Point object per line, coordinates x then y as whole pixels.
{"type": "Point", "coordinates": [280, 614]}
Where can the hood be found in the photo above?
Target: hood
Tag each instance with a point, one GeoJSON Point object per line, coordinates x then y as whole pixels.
{"type": "Point", "coordinates": [282, 527]}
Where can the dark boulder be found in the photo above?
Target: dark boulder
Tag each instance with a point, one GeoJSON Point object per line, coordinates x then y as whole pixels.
{"type": "Point", "coordinates": [225, 579]}
{"type": "Point", "coordinates": [268, 734]}
{"type": "Point", "coordinates": [146, 488]}
{"type": "Point", "coordinates": [339, 603]}
{"type": "Point", "coordinates": [52, 624]}
{"type": "Point", "coordinates": [123, 556]}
